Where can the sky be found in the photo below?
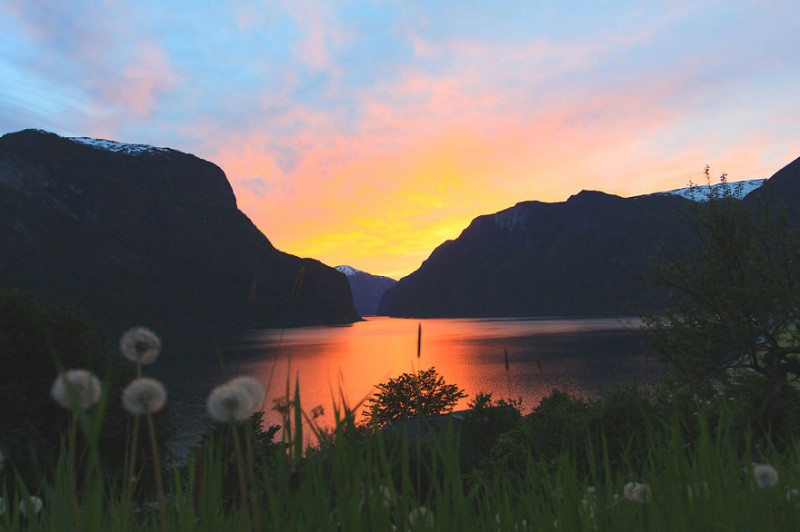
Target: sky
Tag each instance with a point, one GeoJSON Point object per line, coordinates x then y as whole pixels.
{"type": "Point", "coordinates": [367, 133]}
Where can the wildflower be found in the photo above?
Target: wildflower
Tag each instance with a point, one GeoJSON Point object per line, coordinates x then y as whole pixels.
{"type": "Point", "coordinates": [140, 345]}
{"type": "Point", "coordinates": [228, 403]}
{"type": "Point", "coordinates": [83, 384]}
{"type": "Point", "coordinates": [387, 494]}
{"type": "Point", "coordinates": [637, 492]}
{"type": "Point", "coordinates": [793, 497]}
{"type": "Point", "coordinates": [255, 390]}
{"type": "Point", "coordinates": [588, 502]}
{"type": "Point", "coordinates": [144, 396]}
{"type": "Point", "coordinates": [35, 504]}
{"type": "Point", "coordinates": [421, 515]}
{"type": "Point", "coordinates": [765, 475]}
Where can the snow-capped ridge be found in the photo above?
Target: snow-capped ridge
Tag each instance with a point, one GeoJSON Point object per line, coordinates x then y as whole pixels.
{"type": "Point", "coordinates": [118, 147]}
{"type": "Point", "coordinates": [347, 270]}
{"type": "Point", "coordinates": [740, 189]}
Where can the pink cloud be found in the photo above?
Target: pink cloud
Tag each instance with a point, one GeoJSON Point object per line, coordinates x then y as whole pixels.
{"type": "Point", "coordinates": [320, 32]}
{"type": "Point", "coordinates": [147, 74]}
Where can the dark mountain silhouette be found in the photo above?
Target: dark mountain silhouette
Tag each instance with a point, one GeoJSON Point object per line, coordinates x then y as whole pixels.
{"type": "Point", "coordinates": [781, 193]}
{"type": "Point", "coordinates": [584, 256]}
{"type": "Point", "coordinates": [136, 235]}
{"type": "Point", "coordinates": [367, 289]}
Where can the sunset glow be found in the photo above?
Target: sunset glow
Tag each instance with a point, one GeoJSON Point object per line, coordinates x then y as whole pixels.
{"type": "Point", "coordinates": [368, 133]}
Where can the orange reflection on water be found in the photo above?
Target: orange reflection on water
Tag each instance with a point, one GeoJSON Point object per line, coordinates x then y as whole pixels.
{"type": "Point", "coordinates": [581, 356]}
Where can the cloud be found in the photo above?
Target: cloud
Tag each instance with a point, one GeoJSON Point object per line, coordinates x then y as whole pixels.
{"type": "Point", "coordinates": [257, 185]}
{"type": "Point", "coordinates": [321, 33]}
{"type": "Point", "coordinates": [146, 75]}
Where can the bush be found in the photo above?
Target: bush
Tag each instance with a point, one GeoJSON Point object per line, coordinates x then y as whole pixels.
{"type": "Point", "coordinates": [424, 393]}
{"type": "Point", "coordinates": [488, 421]}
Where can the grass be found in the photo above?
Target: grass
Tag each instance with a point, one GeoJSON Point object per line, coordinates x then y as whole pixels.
{"type": "Point", "coordinates": [362, 480]}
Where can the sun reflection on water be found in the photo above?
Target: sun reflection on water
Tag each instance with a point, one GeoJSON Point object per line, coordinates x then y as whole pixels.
{"type": "Point", "coordinates": [582, 356]}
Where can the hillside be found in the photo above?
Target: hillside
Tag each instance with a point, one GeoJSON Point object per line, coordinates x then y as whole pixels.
{"type": "Point", "coordinates": [583, 256]}
{"type": "Point", "coordinates": [133, 234]}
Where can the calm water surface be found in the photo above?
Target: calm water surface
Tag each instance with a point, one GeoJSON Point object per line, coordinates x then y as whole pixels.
{"type": "Point", "coordinates": [582, 356]}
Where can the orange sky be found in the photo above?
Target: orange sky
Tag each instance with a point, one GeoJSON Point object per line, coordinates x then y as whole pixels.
{"type": "Point", "coordinates": [383, 204]}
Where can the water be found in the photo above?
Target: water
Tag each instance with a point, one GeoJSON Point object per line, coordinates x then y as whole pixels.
{"type": "Point", "coordinates": [582, 356]}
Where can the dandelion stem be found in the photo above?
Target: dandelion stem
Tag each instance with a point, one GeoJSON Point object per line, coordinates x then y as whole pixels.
{"type": "Point", "coordinates": [131, 478]}
{"type": "Point", "coordinates": [251, 432]}
{"type": "Point", "coordinates": [73, 484]}
{"type": "Point", "coordinates": [162, 520]}
{"type": "Point", "coordinates": [240, 471]}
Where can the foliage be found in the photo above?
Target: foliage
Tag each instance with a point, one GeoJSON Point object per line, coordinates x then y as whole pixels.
{"type": "Point", "coordinates": [35, 342]}
{"type": "Point", "coordinates": [754, 412]}
{"type": "Point", "coordinates": [261, 450]}
{"type": "Point", "coordinates": [488, 421]}
{"type": "Point", "coordinates": [703, 480]}
{"type": "Point", "coordinates": [734, 297]}
{"type": "Point", "coordinates": [621, 426]}
{"type": "Point", "coordinates": [424, 393]}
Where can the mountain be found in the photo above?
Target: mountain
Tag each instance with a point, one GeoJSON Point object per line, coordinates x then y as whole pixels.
{"type": "Point", "coordinates": [367, 289]}
{"type": "Point", "coordinates": [138, 235]}
{"type": "Point", "coordinates": [781, 192]}
{"type": "Point", "coordinates": [584, 256]}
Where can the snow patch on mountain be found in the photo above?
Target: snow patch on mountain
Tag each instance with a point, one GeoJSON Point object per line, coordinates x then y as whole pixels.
{"type": "Point", "coordinates": [118, 147]}
{"type": "Point", "coordinates": [347, 270]}
{"type": "Point", "coordinates": [740, 189]}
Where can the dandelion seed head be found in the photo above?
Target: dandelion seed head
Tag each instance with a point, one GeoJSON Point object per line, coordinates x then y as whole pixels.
{"type": "Point", "coordinates": [254, 389]}
{"type": "Point", "coordinates": [228, 403]}
{"type": "Point", "coordinates": [83, 384]}
{"type": "Point", "coordinates": [637, 492]}
{"type": "Point", "coordinates": [140, 345]}
{"type": "Point", "coordinates": [387, 495]}
{"type": "Point", "coordinates": [35, 503]}
{"type": "Point", "coordinates": [765, 475]}
{"type": "Point", "coordinates": [588, 506]}
{"type": "Point", "coordinates": [144, 396]}
{"type": "Point", "coordinates": [421, 515]}
{"type": "Point", "coordinates": [793, 497]}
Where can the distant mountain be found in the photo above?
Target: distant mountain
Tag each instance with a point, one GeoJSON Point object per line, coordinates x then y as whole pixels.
{"type": "Point", "coordinates": [367, 289]}
{"type": "Point", "coordinates": [584, 256]}
{"type": "Point", "coordinates": [134, 234]}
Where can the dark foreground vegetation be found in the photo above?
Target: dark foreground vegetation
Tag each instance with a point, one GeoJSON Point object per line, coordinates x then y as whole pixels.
{"type": "Point", "coordinates": [716, 446]}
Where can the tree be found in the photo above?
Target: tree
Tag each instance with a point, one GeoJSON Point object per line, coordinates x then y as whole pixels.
{"type": "Point", "coordinates": [424, 393]}
{"type": "Point", "coordinates": [735, 296]}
